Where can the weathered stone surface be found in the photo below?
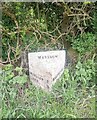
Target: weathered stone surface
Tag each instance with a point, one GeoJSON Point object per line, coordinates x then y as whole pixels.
{"type": "Point", "coordinates": [46, 67]}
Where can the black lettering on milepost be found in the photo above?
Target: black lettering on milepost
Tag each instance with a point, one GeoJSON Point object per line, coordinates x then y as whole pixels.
{"type": "Point", "coordinates": [36, 76]}
{"type": "Point", "coordinates": [48, 57]}
{"type": "Point", "coordinates": [39, 57]}
{"type": "Point", "coordinates": [47, 81]}
{"type": "Point", "coordinates": [48, 87]}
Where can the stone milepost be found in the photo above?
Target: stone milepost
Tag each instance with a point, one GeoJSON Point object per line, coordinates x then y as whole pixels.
{"type": "Point", "coordinates": [45, 68]}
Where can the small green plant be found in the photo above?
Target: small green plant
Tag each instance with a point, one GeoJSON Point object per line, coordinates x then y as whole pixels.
{"type": "Point", "coordinates": [77, 89]}
{"type": "Point", "coordinates": [21, 99]}
{"type": "Point", "coordinates": [84, 43]}
{"type": "Point", "coordinates": [11, 86]}
{"type": "Point", "coordinates": [9, 75]}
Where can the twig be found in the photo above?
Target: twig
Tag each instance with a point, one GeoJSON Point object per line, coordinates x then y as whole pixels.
{"type": "Point", "coordinates": [29, 45]}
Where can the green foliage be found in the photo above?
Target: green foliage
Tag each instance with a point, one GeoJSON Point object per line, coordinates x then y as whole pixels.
{"type": "Point", "coordinates": [39, 24]}
{"type": "Point", "coordinates": [84, 43]}
{"type": "Point", "coordinates": [11, 87]}
{"type": "Point", "coordinates": [36, 26]}
{"type": "Point", "coordinates": [24, 24]}
{"type": "Point", "coordinates": [72, 96]}
{"type": "Point", "coordinates": [9, 76]}
{"type": "Point", "coordinates": [77, 89]}
{"type": "Point", "coordinates": [85, 73]}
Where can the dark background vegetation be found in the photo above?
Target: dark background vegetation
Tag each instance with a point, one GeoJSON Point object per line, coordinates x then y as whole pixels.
{"type": "Point", "coordinates": [29, 27]}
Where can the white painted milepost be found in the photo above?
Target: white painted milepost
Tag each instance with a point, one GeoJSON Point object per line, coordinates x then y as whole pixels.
{"type": "Point", "coordinates": [45, 68]}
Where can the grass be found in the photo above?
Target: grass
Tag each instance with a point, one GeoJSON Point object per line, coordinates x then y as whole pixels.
{"type": "Point", "coordinates": [66, 100]}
